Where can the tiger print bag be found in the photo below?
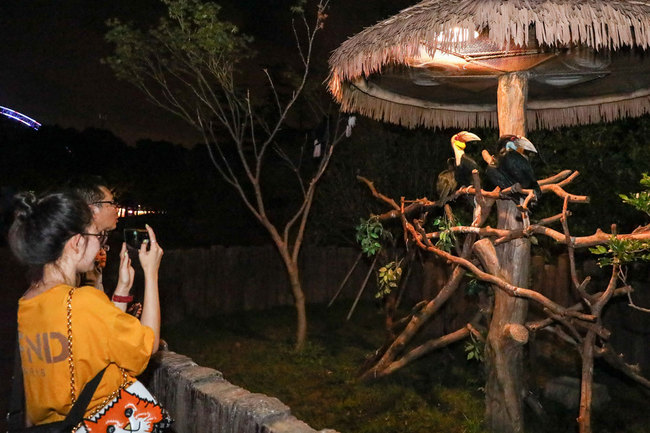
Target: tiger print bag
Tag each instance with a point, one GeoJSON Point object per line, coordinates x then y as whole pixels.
{"type": "Point", "coordinates": [133, 409]}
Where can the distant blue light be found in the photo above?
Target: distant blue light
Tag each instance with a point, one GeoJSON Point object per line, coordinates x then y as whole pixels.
{"type": "Point", "coordinates": [19, 117]}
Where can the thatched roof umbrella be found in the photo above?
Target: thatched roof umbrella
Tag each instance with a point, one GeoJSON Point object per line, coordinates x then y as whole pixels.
{"type": "Point", "coordinates": [515, 64]}
{"type": "Point", "coordinates": [414, 69]}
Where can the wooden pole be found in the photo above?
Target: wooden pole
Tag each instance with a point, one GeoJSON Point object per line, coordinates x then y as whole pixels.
{"type": "Point", "coordinates": [512, 94]}
{"type": "Point", "coordinates": [537, 264]}
{"type": "Point", "coordinates": [504, 361]}
{"type": "Point", "coordinates": [550, 282]}
{"type": "Point", "coordinates": [345, 280]}
{"type": "Point", "coordinates": [363, 286]}
{"type": "Point", "coordinates": [563, 281]}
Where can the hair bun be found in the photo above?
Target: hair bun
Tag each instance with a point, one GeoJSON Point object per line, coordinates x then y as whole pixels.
{"type": "Point", "coordinates": [24, 204]}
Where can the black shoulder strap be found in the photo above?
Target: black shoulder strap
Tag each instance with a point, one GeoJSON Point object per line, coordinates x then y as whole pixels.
{"type": "Point", "coordinates": [77, 411]}
{"type": "Point", "coordinates": [15, 416]}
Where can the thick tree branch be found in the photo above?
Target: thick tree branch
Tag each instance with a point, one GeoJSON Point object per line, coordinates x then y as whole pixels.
{"type": "Point", "coordinates": [555, 178]}
{"type": "Point", "coordinates": [429, 346]}
{"type": "Point", "coordinates": [421, 317]}
{"type": "Point", "coordinates": [499, 282]}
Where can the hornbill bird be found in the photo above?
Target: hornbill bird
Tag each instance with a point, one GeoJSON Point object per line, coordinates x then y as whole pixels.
{"type": "Point", "coordinates": [446, 182]}
{"type": "Point", "coordinates": [511, 166]}
{"type": "Point", "coordinates": [459, 171]}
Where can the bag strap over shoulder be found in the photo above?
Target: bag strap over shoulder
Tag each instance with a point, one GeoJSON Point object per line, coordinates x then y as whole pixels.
{"type": "Point", "coordinates": [15, 416]}
{"type": "Point", "coordinates": [76, 414]}
{"type": "Point", "coordinates": [73, 396]}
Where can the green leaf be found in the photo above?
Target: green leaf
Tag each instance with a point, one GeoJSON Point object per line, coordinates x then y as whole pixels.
{"type": "Point", "coordinates": [369, 234]}
{"type": "Point", "coordinates": [388, 277]}
{"type": "Point", "coordinates": [598, 249]}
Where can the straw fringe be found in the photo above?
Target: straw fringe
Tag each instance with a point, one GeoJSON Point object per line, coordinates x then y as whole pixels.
{"type": "Point", "coordinates": [412, 116]}
{"type": "Point", "coordinates": [597, 24]}
{"type": "Point", "coordinates": [580, 115]}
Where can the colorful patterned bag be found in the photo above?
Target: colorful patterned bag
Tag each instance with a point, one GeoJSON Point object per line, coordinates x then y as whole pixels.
{"type": "Point", "coordinates": [133, 410]}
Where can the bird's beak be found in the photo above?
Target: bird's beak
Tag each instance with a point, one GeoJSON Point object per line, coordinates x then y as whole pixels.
{"type": "Point", "coordinates": [459, 144]}
{"type": "Point", "coordinates": [466, 136]}
{"type": "Point", "coordinates": [524, 143]}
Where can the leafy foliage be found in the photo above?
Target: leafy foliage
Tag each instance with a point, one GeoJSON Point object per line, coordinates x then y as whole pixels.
{"type": "Point", "coordinates": [191, 42]}
{"type": "Point", "coordinates": [299, 7]}
{"type": "Point", "coordinates": [388, 278]}
{"type": "Point", "coordinates": [370, 232]}
{"type": "Point", "coordinates": [475, 349]}
{"type": "Point", "coordinates": [621, 251]}
{"type": "Point", "coordinates": [447, 238]}
{"type": "Point", "coordinates": [640, 200]}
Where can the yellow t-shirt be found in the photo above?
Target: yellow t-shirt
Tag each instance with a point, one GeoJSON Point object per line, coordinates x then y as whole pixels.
{"type": "Point", "coordinates": [102, 335]}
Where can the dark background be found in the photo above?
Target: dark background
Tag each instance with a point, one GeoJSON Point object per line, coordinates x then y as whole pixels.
{"type": "Point", "coordinates": [51, 53]}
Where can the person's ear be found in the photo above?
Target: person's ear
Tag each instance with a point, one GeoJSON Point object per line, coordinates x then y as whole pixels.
{"type": "Point", "coordinates": [74, 243]}
{"type": "Point", "coordinates": [94, 209]}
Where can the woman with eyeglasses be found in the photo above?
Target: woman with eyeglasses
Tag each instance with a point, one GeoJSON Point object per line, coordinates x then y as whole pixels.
{"type": "Point", "coordinates": [56, 236]}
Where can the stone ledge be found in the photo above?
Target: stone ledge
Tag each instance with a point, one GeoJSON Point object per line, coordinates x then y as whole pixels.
{"type": "Point", "coordinates": [200, 400]}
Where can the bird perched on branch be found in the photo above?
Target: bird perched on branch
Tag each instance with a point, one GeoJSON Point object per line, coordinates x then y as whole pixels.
{"type": "Point", "coordinates": [459, 171]}
{"type": "Point", "coordinates": [511, 165]}
{"type": "Point", "coordinates": [446, 182]}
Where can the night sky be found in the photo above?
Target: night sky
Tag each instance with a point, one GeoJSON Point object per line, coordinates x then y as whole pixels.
{"type": "Point", "coordinates": [51, 51]}
{"type": "Point", "coordinates": [51, 71]}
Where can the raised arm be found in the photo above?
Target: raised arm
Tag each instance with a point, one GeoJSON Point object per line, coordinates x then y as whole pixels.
{"type": "Point", "coordinates": [150, 261]}
{"type": "Point", "coordinates": [124, 281]}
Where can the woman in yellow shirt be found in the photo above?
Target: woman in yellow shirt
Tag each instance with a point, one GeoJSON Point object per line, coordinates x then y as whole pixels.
{"type": "Point", "coordinates": [56, 236]}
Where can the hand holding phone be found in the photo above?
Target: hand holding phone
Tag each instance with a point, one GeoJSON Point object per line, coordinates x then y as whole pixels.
{"type": "Point", "coordinates": [150, 254]}
{"type": "Point", "coordinates": [134, 237]}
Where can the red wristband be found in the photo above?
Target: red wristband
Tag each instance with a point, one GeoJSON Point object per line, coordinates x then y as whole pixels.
{"type": "Point", "coordinates": [125, 299]}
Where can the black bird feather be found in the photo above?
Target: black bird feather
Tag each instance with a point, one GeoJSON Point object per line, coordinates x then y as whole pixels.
{"type": "Point", "coordinates": [510, 166]}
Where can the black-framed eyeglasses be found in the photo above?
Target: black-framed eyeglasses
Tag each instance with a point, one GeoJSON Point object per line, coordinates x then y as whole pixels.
{"type": "Point", "coordinates": [108, 202]}
{"type": "Point", "coordinates": [102, 237]}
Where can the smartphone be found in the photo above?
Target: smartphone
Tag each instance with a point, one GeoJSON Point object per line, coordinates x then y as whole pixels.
{"type": "Point", "coordinates": [134, 237]}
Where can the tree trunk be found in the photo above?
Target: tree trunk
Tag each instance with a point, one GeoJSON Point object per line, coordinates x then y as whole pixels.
{"type": "Point", "coordinates": [293, 272]}
{"type": "Point", "coordinates": [299, 302]}
{"type": "Point", "coordinates": [584, 419]}
{"type": "Point", "coordinates": [511, 103]}
{"type": "Point", "coordinates": [504, 355]}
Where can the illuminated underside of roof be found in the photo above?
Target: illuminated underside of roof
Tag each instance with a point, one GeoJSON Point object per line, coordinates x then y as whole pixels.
{"type": "Point", "coordinates": [438, 63]}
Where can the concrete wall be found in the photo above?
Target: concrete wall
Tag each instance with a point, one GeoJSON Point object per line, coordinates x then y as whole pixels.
{"type": "Point", "coordinates": [201, 401]}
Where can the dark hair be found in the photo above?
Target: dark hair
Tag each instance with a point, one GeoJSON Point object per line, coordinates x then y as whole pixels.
{"type": "Point", "coordinates": [42, 225]}
{"type": "Point", "coordinates": [88, 188]}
